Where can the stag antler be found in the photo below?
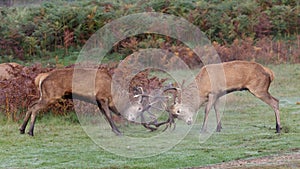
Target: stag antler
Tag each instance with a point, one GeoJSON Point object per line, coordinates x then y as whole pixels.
{"type": "Point", "coordinates": [158, 98]}
{"type": "Point", "coordinates": [146, 108]}
{"type": "Point", "coordinates": [170, 120]}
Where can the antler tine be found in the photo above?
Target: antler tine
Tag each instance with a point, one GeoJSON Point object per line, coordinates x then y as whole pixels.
{"type": "Point", "coordinates": [147, 125]}
{"type": "Point", "coordinates": [170, 87]}
{"type": "Point", "coordinates": [141, 89]}
{"type": "Point", "coordinates": [166, 88]}
{"type": "Point", "coordinates": [168, 123]}
{"type": "Point", "coordinates": [143, 94]}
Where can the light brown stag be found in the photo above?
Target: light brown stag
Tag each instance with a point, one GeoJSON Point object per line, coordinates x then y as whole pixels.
{"type": "Point", "coordinates": [217, 80]}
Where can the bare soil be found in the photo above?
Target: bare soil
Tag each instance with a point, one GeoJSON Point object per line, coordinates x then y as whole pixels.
{"type": "Point", "coordinates": [280, 161]}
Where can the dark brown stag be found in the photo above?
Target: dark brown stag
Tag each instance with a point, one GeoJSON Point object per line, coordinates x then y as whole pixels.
{"type": "Point", "coordinates": [58, 84]}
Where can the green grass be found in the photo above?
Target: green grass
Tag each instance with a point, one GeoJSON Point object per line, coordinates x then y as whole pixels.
{"type": "Point", "coordinates": [248, 132]}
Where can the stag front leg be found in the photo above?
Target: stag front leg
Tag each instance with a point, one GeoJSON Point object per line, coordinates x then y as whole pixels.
{"type": "Point", "coordinates": [103, 106]}
{"type": "Point", "coordinates": [211, 101]}
{"type": "Point", "coordinates": [273, 103]}
{"type": "Point", "coordinates": [216, 107]}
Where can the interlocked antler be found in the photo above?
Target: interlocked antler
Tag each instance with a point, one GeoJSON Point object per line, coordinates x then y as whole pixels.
{"type": "Point", "coordinates": [146, 108]}
{"type": "Point", "coordinates": [177, 99]}
{"type": "Point", "coordinates": [159, 96]}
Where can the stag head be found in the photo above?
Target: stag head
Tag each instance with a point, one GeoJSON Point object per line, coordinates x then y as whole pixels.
{"type": "Point", "coordinates": [148, 102]}
{"type": "Point", "coordinates": [136, 108]}
{"type": "Point", "coordinates": [181, 112]}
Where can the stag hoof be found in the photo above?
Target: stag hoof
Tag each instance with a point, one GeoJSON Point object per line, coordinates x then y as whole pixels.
{"type": "Point", "coordinates": [30, 133]}
{"type": "Point", "coordinates": [278, 128]}
{"type": "Point", "coordinates": [118, 133]}
{"type": "Point", "coordinates": [22, 131]}
{"type": "Point", "coordinates": [219, 127]}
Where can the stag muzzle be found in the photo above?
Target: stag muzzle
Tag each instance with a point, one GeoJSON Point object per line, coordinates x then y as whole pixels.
{"type": "Point", "coordinates": [131, 117]}
{"type": "Point", "coordinates": [189, 121]}
{"type": "Point", "coordinates": [182, 113]}
{"type": "Point", "coordinates": [132, 113]}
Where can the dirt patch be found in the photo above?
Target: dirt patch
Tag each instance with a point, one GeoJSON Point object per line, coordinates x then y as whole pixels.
{"type": "Point", "coordinates": [280, 161]}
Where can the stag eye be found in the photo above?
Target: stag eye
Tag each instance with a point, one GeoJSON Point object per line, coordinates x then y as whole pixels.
{"type": "Point", "coordinates": [178, 111]}
{"type": "Point", "coordinates": [139, 108]}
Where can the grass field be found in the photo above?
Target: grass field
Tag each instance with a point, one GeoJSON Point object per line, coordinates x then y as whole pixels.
{"type": "Point", "coordinates": [248, 132]}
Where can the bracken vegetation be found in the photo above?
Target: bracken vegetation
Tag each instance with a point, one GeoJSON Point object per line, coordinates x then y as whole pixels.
{"type": "Point", "coordinates": [264, 30]}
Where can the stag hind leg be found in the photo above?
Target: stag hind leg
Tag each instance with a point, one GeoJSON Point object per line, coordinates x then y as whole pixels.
{"type": "Point", "coordinates": [103, 106]}
{"type": "Point", "coordinates": [266, 97]}
{"type": "Point", "coordinates": [32, 112]}
{"type": "Point", "coordinates": [25, 121]}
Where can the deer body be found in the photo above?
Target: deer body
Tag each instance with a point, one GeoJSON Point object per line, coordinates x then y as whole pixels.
{"type": "Point", "coordinates": [58, 84]}
{"type": "Point", "coordinates": [239, 75]}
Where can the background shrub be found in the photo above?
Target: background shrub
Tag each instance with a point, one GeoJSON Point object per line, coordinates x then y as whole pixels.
{"type": "Point", "coordinates": [62, 27]}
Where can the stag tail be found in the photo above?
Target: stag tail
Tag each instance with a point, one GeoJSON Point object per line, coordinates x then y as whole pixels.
{"type": "Point", "coordinates": [38, 82]}
{"type": "Point", "coordinates": [270, 72]}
